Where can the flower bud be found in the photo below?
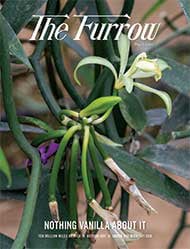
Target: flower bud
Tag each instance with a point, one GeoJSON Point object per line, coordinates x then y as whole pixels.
{"type": "Point", "coordinates": [99, 106]}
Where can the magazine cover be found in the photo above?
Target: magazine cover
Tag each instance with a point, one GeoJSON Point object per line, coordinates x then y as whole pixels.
{"type": "Point", "coordinates": [95, 124]}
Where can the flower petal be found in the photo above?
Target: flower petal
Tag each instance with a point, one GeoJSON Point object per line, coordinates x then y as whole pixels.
{"type": "Point", "coordinates": [133, 67]}
{"type": "Point", "coordinates": [163, 95]}
{"type": "Point", "coordinates": [123, 47]}
{"type": "Point", "coordinates": [128, 82]}
{"type": "Point", "coordinates": [94, 60]}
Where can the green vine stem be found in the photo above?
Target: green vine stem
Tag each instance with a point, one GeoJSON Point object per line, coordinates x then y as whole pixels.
{"type": "Point", "coordinates": [42, 85]}
{"type": "Point", "coordinates": [35, 59]}
{"type": "Point", "coordinates": [51, 76]}
{"type": "Point", "coordinates": [181, 226]}
{"type": "Point", "coordinates": [98, 85]}
{"type": "Point", "coordinates": [73, 180]}
{"type": "Point", "coordinates": [35, 121]}
{"type": "Point", "coordinates": [108, 45]}
{"type": "Point", "coordinates": [33, 187]}
{"type": "Point", "coordinates": [99, 173]}
{"type": "Point", "coordinates": [110, 124]}
{"type": "Point", "coordinates": [57, 56]}
{"type": "Point", "coordinates": [42, 138]}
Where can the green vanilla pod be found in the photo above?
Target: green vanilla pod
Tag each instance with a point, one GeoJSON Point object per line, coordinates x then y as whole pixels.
{"type": "Point", "coordinates": [73, 181]}
{"type": "Point", "coordinates": [100, 106]}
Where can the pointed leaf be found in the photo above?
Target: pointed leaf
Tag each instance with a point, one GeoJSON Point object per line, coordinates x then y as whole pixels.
{"type": "Point", "coordinates": [123, 46]}
{"type": "Point", "coordinates": [19, 14]}
{"type": "Point", "coordinates": [4, 167]}
{"type": "Point", "coordinates": [150, 179]}
{"type": "Point", "coordinates": [163, 95]}
{"type": "Point", "coordinates": [132, 110]}
{"type": "Point", "coordinates": [94, 60]}
{"type": "Point", "coordinates": [15, 46]}
{"type": "Point", "coordinates": [167, 157]}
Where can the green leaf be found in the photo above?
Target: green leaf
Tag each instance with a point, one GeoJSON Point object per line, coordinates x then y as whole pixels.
{"type": "Point", "coordinates": [94, 60]}
{"type": "Point", "coordinates": [4, 167]}
{"type": "Point", "coordinates": [178, 77]}
{"type": "Point", "coordinates": [19, 14]}
{"type": "Point", "coordinates": [100, 106]}
{"type": "Point", "coordinates": [180, 115]}
{"type": "Point", "coordinates": [132, 110]}
{"type": "Point", "coordinates": [163, 95]}
{"type": "Point", "coordinates": [42, 215]}
{"type": "Point", "coordinates": [185, 5]}
{"type": "Point", "coordinates": [123, 46]}
{"type": "Point", "coordinates": [15, 46]}
{"type": "Point", "coordinates": [20, 180]}
{"type": "Point", "coordinates": [167, 157]}
{"type": "Point", "coordinates": [150, 179]}
{"type": "Point", "coordinates": [5, 242]}
{"type": "Point", "coordinates": [153, 9]}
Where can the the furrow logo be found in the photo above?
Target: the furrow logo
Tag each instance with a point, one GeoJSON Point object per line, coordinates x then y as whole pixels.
{"type": "Point", "coordinates": [97, 30]}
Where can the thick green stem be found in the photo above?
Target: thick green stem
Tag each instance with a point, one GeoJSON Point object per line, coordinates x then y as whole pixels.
{"type": "Point", "coordinates": [33, 187]}
{"type": "Point", "coordinates": [99, 173]}
{"type": "Point", "coordinates": [35, 59]}
{"type": "Point", "coordinates": [35, 121]}
{"type": "Point", "coordinates": [57, 56]}
{"type": "Point", "coordinates": [57, 161]}
{"type": "Point", "coordinates": [108, 45]}
{"type": "Point", "coordinates": [51, 74]}
{"type": "Point", "coordinates": [44, 88]}
{"type": "Point", "coordinates": [42, 138]}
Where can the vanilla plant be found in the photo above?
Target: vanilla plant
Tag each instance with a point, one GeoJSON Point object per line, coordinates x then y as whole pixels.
{"type": "Point", "coordinates": [142, 67]}
{"type": "Point", "coordinates": [80, 128]}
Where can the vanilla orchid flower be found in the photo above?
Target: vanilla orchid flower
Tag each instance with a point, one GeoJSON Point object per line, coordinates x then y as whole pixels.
{"type": "Point", "coordinates": [142, 67]}
{"type": "Point", "coordinates": [120, 235]}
